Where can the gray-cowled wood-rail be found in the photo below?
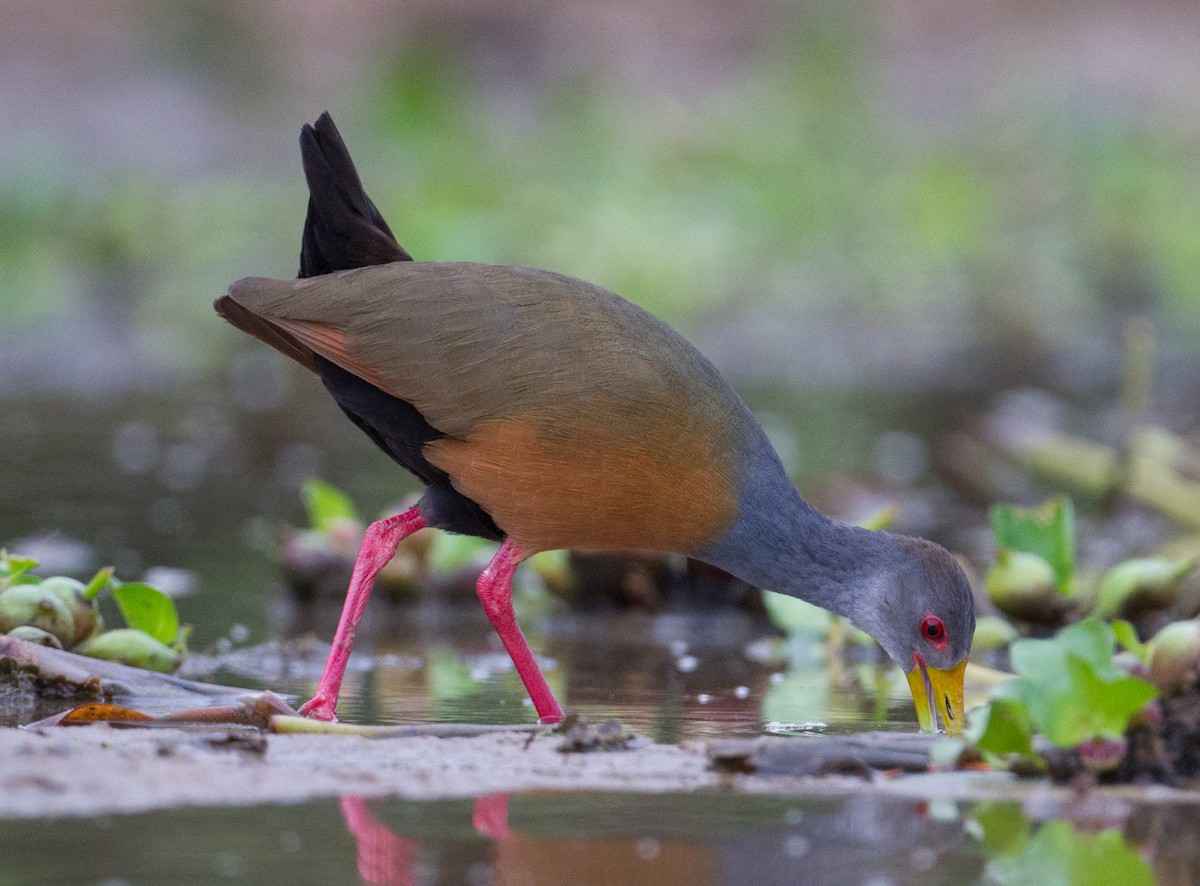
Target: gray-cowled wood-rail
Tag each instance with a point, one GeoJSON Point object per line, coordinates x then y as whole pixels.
{"type": "Point", "coordinates": [544, 412]}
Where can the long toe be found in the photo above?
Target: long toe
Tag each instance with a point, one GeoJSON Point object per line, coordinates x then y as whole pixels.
{"type": "Point", "coordinates": [318, 708]}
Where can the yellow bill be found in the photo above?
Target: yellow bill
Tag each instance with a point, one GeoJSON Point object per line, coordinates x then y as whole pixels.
{"type": "Point", "coordinates": [938, 693]}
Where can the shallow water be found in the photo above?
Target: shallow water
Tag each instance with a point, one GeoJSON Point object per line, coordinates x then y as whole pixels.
{"type": "Point", "coordinates": [201, 479]}
{"type": "Point", "coordinates": [669, 677]}
{"type": "Point", "coordinates": [197, 482]}
{"type": "Point", "coordinates": [692, 839]}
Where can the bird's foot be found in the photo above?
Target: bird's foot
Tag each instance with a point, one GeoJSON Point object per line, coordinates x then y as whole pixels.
{"type": "Point", "coordinates": [320, 707]}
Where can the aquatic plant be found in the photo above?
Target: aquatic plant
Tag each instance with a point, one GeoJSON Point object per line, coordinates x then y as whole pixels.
{"type": "Point", "coordinates": [1072, 690]}
{"type": "Point", "coordinates": [1035, 578]}
{"type": "Point", "coordinates": [63, 612]}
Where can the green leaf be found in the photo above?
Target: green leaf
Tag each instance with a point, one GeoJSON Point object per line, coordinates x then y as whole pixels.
{"type": "Point", "coordinates": [13, 567]}
{"type": "Point", "coordinates": [1048, 531]}
{"type": "Point", "coordinates": [1127, 636]}
{"type": "Point", "coordinates": [97, 584]}
{"type": "Point", "coordinates": [326, 505]}
{"type": "Point", "coordinates": [1071, 688]}
{"type": "Point", "coordinates": [147, 609]}
{"type": "Point", "coordinates": [1096, 708]}
{"type": "Point", "coordinates": [1061, 855]}
{"type": "Point", "coordinates": [1008, 730]}
{"type": "Point", "coordinates": [1091, 640]}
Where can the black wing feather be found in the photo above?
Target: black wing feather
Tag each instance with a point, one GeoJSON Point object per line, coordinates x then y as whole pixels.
{"type": "Point", "coordinates": [344, 230]}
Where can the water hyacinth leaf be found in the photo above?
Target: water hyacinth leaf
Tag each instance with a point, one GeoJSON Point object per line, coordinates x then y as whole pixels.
{"type": "Point", "coordinates": [1091, 640]}
{"type": "Point", "coordinates": [327, 505]}
{"type": "Point", "coordinates": [14, 567]}
{"type": "Point", "coordinates": [98, 583]}
{"type": "Point", "coordinates": [1174, 655]}
{"type": "Point", "coordinates": [1127, 636]}
{"type": "Point", "coordinates": [148, 609]}
{"type": "Point", "coordinates": [1008, 730]}
{"type": "Point", "coordinates": [1048, 531]}
{"type": "Point", "coordinates": [1141, 583]}
{"type": "Point", "coordinates": [1098, 707]}
{"type": "Point", "coordinates": [1070, 687]}
{"type": "Point", "coordinates": [130, 646]}
{"type": "Point", "coordinates": [30, 604]}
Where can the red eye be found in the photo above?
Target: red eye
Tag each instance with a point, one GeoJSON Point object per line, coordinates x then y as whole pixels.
{"type": "Point", "coordinates": [934, 631]}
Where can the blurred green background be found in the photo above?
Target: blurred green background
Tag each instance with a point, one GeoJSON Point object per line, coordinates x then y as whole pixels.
{"type": "Point", "coordinates": [870, 215]}
{"type": "Point", "coordinates": [977, 172]}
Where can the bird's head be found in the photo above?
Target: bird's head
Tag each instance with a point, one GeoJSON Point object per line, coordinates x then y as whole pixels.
{"type": "Point", "coordinates": [920, 608]}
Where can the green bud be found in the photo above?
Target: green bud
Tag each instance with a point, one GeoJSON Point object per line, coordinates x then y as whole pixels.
{"type": "Point", "coordinates": [30, 634]}
{"type": "Point", "coordinates": [132, 647]}
{"type": "Point", "coordinates": [1022, 586]}
{"type": "Point", "coordinates": [1175, 656]}
{"type": "Point", "coordinates": [85, 615]}
{"type": "Point", "coordinates": [31, 605]}
{"type": "Point", "coordinates": [1140, 584]}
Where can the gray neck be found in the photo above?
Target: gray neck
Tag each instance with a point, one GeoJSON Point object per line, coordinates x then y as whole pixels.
{"type": "Point", "coordinates": [782, 543]}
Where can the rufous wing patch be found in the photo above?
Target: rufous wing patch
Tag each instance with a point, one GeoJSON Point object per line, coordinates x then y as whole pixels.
{"type": "Point", "coordinates": [332, 344]}
{"type": "Point", "coordinates": [593, 485]}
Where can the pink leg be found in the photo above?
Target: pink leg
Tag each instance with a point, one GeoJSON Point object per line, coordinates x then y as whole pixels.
{"type": "Point", "coordinates": [378, 546]}
{"type": "Point", "coordinates": [495, 592]}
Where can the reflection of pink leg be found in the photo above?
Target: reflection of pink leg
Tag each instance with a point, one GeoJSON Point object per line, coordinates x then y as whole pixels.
{"type": "Point", "coordinates": [378, 546]}
{"type": "Point", "coordinates": [495, 592]}
{"type": "Point", "coordinates": [384, 858]}
{"type": "Point", "coordinates": [490, 817]}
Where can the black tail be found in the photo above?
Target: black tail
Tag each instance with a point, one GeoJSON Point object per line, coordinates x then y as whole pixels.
{"type": "Point", "coordinates": [344, 229]}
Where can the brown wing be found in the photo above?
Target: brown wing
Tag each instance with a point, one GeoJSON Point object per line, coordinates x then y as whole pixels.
{"type": "Point", "coordinates": [573, 417]}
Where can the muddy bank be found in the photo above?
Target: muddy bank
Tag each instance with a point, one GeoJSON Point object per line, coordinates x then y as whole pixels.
{"type": "Point", "coordinates": [98, 769]}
